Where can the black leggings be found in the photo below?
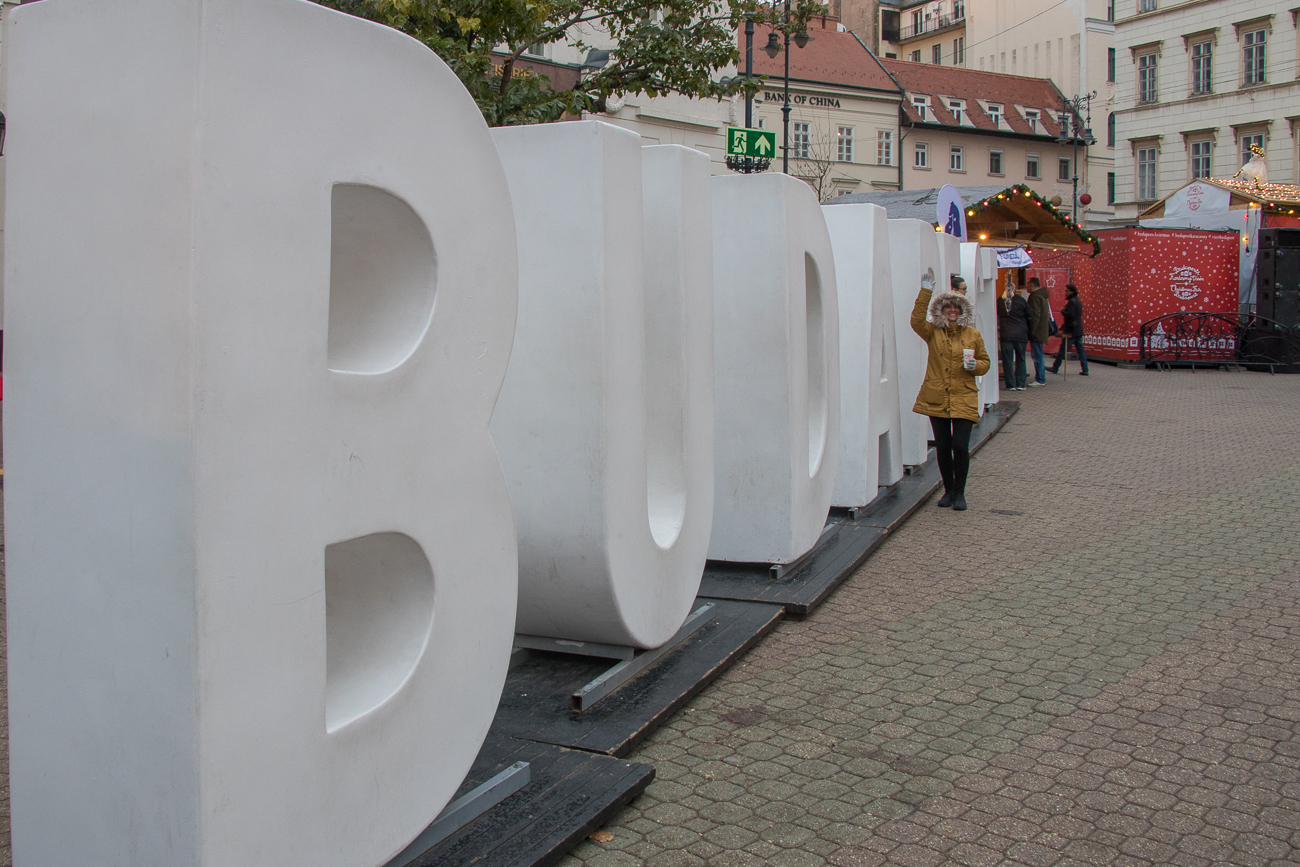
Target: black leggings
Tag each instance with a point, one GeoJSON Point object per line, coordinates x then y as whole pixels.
{"type": "Point", "coordinates": [952, 442]}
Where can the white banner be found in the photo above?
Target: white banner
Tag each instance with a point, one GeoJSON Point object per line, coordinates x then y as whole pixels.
{"type": "Point", "coordinates": [1014, 257]}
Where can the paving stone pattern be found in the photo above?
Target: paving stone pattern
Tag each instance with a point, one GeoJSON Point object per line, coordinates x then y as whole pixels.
{"type": "Point", "coordinates": [1098, 664]}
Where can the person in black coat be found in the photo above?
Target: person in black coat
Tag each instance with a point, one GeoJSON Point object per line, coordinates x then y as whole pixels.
{"type": "Point", "coordinates": [1014, 322]}
{"type": "Point", "coordinates": [1071, 330]}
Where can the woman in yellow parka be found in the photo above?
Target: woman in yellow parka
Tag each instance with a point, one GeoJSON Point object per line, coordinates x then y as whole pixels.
{"type": "Point", "coordinates": [949, 395]}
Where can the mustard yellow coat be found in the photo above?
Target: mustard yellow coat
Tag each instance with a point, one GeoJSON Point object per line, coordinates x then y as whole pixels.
{"type": "Point", "coordinates": [949, 390]}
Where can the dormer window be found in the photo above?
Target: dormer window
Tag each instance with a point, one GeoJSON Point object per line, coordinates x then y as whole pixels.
{"type": "Point", "coordinates": [995, 115]}
{"type": "Point", "coordinates": [1031, 118]}
{"type": "Point", "coordinates": [958, 109]}
{"type": "Point", "coordinates": [922, 106]}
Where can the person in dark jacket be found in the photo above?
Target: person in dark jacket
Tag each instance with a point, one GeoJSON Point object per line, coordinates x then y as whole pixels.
{"type": "Point", "coordinates": [1071, 330]}
{"type": "Point", "coordinates": [1040, 304]}
{"type": "Point", "coordinates": [1014, 318]}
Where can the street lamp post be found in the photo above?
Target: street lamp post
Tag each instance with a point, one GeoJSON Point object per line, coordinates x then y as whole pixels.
{"type": "Point", "coordinates": [772, 47]}
{"type": "Point", "coordinates": [749, 70]}
{"type": "Point", "coordinates": [1076, 126]}
{"type": "Point", "coordinates": [748, 165]}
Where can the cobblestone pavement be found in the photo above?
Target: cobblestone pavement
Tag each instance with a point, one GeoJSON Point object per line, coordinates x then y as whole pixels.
{"type": "Point", "coordinates": [1098, 664]}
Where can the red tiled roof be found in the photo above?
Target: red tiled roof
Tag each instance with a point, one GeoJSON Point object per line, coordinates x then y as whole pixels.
{"type": "Point", "coordinates": [830, 57]}
{"type": "Point", "coordinates": [941, 83]}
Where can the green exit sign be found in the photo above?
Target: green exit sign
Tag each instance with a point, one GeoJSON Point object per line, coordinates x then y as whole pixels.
{"type": "Point", "coordinates": [742, 142]}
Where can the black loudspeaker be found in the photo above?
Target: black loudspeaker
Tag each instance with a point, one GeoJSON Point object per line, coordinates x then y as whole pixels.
{"type": "Point", "coordinates": [1277, 276]}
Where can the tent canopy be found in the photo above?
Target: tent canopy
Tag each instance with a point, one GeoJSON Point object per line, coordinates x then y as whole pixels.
{"type": "Point", "coordinates": [1273, 198]}
{"type": "Point", "coordinates": [995, 216]}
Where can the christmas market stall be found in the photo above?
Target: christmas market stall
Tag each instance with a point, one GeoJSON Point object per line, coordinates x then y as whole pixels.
{"type": "Point", "coordinates": [1140, 275]}
{"type": "Point", "coordinates": [1245, 204]}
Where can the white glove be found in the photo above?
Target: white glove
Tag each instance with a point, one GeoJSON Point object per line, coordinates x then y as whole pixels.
{"type": "Point", "coordinates": [969, 365]}
{"type": "Point", "coordinates": [927, 281]}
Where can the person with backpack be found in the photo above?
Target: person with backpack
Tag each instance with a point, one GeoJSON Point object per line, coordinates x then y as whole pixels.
{"type": "Point", "coordinates": [1014, 317]}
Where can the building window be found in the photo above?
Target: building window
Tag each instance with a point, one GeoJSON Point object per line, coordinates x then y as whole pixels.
{"type": "Point", "coordinates": [959, 50]}
{"type": "Point", "coordinates": [1063, 169]}
{"type": "Point", "coordinates": [1146, 174]}
{"type": "Point", "coordinates": [995, 115]}
{"type": "Point", "coordinates": [844, 144]}
{"type": "Point", "coordinates": [884, 147]}
{"type": "Point", "coordinates": [921, 155]}
{"type": "Point", "coordinates": [955, 160]}
{"type": "Point", "coordinates": [1255, 51]}
{"type": "Point", "coordinates": [995, 162]}
{"type": "Point", "coordinates": [802, 141]}
{"type": "Point", "coordinates": [1147, 85]}
{"type": "Point", "coordinates": [1246, 142]}
{"type": "Point", "coordinates": [915, 56]}
{"type": "Point", "coordinates": [917, 26]}
{"type": "Point", "coordinates": [1031, 166]}
{"type": "Point", "coordinates": [1146, 6]}
{"type": "Point", "coordinates": [1110, 10]}
{"type": "Point", "coordinates": [936, 54]}
{"type": "Point", "coordinates": [958, 9]}
{"type": "Point", "coordinates": [1203, 67]}
{"type": "Point", "coordinates": [1201, 159]}
{"type": "Point", "coordinates": [1031, 118]}
{"type": "Point", "coordinates": [1110, 188]}
{"type": "Point", "coordinates": [1110, 130]}
{"type": "Point", "coordinates": [1110, 65]}
{"type": "Point", "coordinates": [922, 105]}
{"type": "Point", "coordinates": [958, 111]}
{"type": "Point", "coordinates": [761, 123]}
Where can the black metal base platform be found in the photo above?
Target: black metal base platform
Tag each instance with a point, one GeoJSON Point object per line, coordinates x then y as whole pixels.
{"type": "Point", "coordinates": [536, 701]}
{"type": "Point", "coordinates": [845, 545]}
{"type": "Point", "coordinates": [570, 794]}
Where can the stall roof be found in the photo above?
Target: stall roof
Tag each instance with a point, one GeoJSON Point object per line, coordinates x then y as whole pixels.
{"type": "Point", "coordinates": [1274, 198]}
{"type": "Point", "coordinates": [912, 204]}
{"type": "Point", "coordinates": [995, 216]}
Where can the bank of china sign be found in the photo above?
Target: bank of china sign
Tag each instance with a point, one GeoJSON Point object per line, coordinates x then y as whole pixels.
{"type": "Point", "coordinates": [813, 99]}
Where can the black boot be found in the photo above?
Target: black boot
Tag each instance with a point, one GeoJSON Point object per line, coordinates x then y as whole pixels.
{"type": "Point", "coordinates": [959, 502]}
{"type": "Point", "coordinates": [946, 500]}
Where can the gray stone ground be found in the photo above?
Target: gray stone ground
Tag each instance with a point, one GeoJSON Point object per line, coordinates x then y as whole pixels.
{"type": "Point", "coordinates": [1098, 664]}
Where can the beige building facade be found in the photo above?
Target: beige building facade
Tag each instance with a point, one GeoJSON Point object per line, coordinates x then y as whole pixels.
{"type": "Point", "coordinates": [1200, 81]}
{"type": "Point", "coordinates": [844, 119]}
{"type": "Point", "coordinates": [844, 112]}
{"type": "Point", "coordinates": [1073, 44]}
{"type": "Point", "coordinates": [972, 129]}
{"type": "Point", "coordinates": [932, 31]}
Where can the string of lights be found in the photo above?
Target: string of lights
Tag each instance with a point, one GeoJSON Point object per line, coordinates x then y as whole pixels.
{"type": "Point", "coordinates": [1022, 191]}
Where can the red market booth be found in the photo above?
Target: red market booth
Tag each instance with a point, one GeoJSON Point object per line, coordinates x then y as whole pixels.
{"type": "Point", "coordinates": [1141, 275]}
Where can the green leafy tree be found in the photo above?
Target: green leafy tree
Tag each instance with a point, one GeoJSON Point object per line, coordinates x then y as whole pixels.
{"type": "Point", "coordinates": [675, 46]}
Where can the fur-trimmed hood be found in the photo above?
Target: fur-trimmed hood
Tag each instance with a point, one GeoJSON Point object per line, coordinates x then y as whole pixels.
{"type": "Point", "coordinates": [935, 313]}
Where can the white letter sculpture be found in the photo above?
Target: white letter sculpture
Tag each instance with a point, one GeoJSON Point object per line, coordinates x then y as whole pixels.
{"type": "Point", "coordinates": [915, 250]}
{"type": "Point", "coordinates": [262, 564]}
{"type": "Point", "coordinates": [778, 384]}
{"type": "Point", "coordinates": [870, 423]}
{"type": "Point", "coordinates": [949, 261]}
{"type": "Point", "coordinates": [979, 267]}
{"type": "Point", "coordinates": [605, 422]}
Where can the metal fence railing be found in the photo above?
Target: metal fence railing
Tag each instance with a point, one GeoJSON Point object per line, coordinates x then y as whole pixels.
{"type": "Point", "coordinates": [1212, 339]}
{"type": "Point", "coordinates": [933, 24]}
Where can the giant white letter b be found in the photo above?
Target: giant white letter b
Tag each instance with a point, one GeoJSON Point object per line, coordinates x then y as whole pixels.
{"type": "Point", "coordinates": [261, 295]}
